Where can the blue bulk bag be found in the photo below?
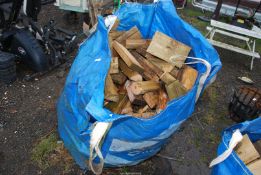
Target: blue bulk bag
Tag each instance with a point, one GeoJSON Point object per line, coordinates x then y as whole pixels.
{"type": "Point", "coordinates": [233, 164]}
{"type": "Point", "coordinates": [127, 140]}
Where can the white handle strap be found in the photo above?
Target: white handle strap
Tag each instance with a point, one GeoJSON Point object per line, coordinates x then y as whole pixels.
{"type": "Point", "coordinates": [236, 138]}
{"type": "Point", "coordinates": [204, 76]}
{"type": "Point", "coordinates": [97, 135]}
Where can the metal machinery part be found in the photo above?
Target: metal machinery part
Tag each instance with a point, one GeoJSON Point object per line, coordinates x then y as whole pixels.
{"type": "Point", "coordinates": [41, 48]}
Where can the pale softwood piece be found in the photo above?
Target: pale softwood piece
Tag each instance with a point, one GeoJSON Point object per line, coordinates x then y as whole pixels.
{"type": "Point", "coordinates": [114, 67]}
{"type": "Point", "coordinates": [167, 78]}
{"type": "Point", "coordinates": [168, 49]}
{"type": "Point", "coordinates": [137, 43]}
{"type": "Point", "coordinates": [127, 57]}
{"type": "Point", "coordinates": [175, 89]}
{"type": "Point", "coordinates": [255, 167]}
{"type": "Point", "coordinates": [188, 77]}
{"type": "Point", "coordinates": [136, 35]}
{"type": "Point", "coordinates": [148, 73]}
{"type": "Point", "coordinates": [119, 78]}
{"type": "Point", "coordinates": [159, 66]}
{"type": "Point", "coordinates": [134, 99]}
{"type": "Point", "coordinates": [151, 98]}
{"type": "Point", "coordinates": [142, 87]}
{"type": "Point", "coordinates": [122, 38]}
{"type": "Point", "coordinates": [246, 150]}
{"type": "Point", "coordinates": [131, 74]}
{"type": "Point", "coordinates": [111, 93]}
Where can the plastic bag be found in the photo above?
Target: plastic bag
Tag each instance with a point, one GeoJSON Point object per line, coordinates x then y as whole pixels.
{"type": "Point", "coordinates": [127, 140]}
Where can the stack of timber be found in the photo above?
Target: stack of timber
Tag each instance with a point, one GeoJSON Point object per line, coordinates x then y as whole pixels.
{"type": "Point", "coordinates": [145, 73]}
{"type": "Point", "coordinates": [249, 153]}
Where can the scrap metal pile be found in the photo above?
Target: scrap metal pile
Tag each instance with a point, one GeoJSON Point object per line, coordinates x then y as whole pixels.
{"type": "Point", "coordinates": [145, 74]}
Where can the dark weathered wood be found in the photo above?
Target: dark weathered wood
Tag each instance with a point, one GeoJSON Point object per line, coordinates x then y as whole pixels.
{"type": "Point", "coordinates": [142, 87]}
{"type": "Point", "coordinates": [127, 57]}
{"type": "Point", "coordinates": [131, 74]}
{"type": "Point", "coordinates": [119, 78]}
{"type": "Point", "coordinates": [168, 49]}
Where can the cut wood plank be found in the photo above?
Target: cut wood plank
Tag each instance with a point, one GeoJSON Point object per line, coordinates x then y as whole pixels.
{"type": "Point", "coordinates": [160, 66]}
{"type": "Point", "coordinates": [151, 98]}
{"type": "Point", "coordinates": [131, 74]}
{"type": "Point", "coordinates": [137, 43]}
{"type": "Point", "coordinates": [167, 78]}
{"type": "Point", "coordinates": [163, 100]}
{"type": "Point", "coordinates": [168, 49]}
{"type": "Point", "coordinates": [119, 78]}
{"type": "Point", "coordinates": [163, 65]}
{"type": "Point", "coordinates": [246, 150]}
{"type": "Point", "coordinates": [134, 99]}
{"type": "Point", "coordinates": [122, 38]}
{"type": "Point", "coordinates": [257, 145]}
{"type": "Point", "coordinates": [127, 57]}
{"type": "Point", "coordinates": [111, 93]}
{"type": "Point", "coordinates": [175, 89]}
{"type": "Point", "coordinates": [127, 108]}
{"type": "Point", "coordinates": [142, 87]}
{"type": "Point", "coordinates": [136, 35]}
{"type": "Point", "coordinates": [115, 34]}
{"type": "Point", "coordinates": [122, 102]}
{"type": "Point", "coordinates": [175, 72]}
{"type": "Point", "coordinates": [148, 73]}
{"type": "Point", "coordinates": [255, 167]}
{"type": "Point", "coordinates": [188, 77]}
{"type": "Point", "coordinates": [149, 64]}
{"type": "Point", "coordinates": [114, 67]}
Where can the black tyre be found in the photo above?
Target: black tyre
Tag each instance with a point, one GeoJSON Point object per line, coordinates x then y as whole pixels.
{"type": "Point", "coordinates": [7, 68]}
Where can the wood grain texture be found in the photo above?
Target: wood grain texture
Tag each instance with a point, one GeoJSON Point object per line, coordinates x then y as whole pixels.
{"type": "Point", "coordinates": [114, 67]}
{"type": "Point", "coordinates": [127, 57]}
{"type": "Point", "coordinates": [111, 93]}
{"type": "Point", "coordinates": [142, 87]}
{"type": "Point", "coordinates": [131, 74]}
{"type": "Point", "coordinates": [175, 90]}
{"type": "Point", "coordinates": [168, 49]}
{"type": "Point", "coordinates": [188, 77]}
{"type": "Point", "coordinates": [246, 150]}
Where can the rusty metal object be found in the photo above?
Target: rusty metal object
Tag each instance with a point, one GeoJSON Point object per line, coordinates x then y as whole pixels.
{"type": "Point", "coordinates": [245, 104]}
